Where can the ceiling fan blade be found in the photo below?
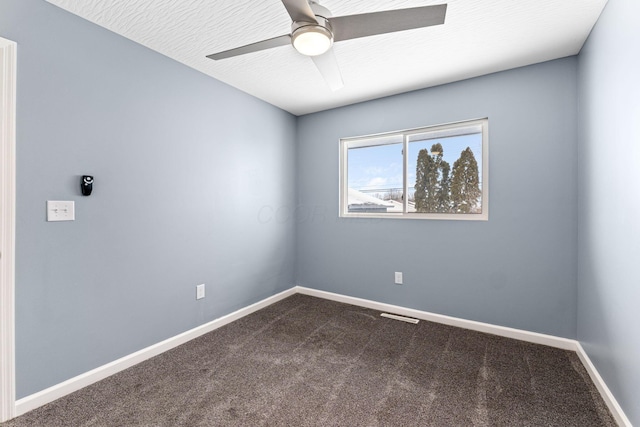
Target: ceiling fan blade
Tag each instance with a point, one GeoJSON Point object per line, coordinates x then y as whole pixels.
{"type": "Point", "coordinates": [299, 10]}
{"type": "Point", "coordinates": [328, 67]}
{"type": "Point", "coordinates": [253, 47]}
{"type": "Point", "coordinates": [369, 24]}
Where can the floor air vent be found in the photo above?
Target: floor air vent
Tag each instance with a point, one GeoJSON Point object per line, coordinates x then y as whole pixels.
{"type": "Point", "coordinates": [401, 318]}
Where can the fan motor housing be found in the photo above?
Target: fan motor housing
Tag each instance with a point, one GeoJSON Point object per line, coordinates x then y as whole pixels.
{"type": "Point", "coordinates": [302, 32]}
{"type": "Point", "coordinates": [322, 23]}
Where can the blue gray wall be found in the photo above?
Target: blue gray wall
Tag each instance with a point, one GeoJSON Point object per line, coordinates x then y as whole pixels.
{"type": "Point", "coordinates": [519, 268]}
{"type": "Point", "coordinates": [183, 165]}
{"type": "Point", "coordinates": [609, 202]}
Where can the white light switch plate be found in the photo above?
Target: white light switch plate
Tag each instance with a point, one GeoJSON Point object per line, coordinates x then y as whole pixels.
{"type": "Point", "coordinates": [61, 210]}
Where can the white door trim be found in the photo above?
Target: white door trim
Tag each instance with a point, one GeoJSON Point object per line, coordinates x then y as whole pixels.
{"type": "Point", "coordinates": [7, 226]}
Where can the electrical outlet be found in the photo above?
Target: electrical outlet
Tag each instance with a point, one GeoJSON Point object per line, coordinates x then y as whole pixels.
{"type": "Point", "coordinates": [398, 278]}
{"type": "Point", "coordinates": [200, 291]}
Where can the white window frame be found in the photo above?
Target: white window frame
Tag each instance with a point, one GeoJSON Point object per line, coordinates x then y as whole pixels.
{"type": "Point", "coordinates": [438, 131]}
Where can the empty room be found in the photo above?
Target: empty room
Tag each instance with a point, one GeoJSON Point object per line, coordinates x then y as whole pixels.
{"type": "Point", "coordinates": [348, 213]}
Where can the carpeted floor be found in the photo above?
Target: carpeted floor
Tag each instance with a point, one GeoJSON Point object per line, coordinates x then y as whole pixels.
{"type": "Point", "coordinates": [310, 362]}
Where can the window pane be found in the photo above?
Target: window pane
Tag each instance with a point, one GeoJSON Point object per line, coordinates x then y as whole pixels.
{"type": "Point", "coordinates": [374, 179]}
{"type": "Point", "coordinates": [434, 172]}
{"type": "Point", "coordinates": [445, 174]}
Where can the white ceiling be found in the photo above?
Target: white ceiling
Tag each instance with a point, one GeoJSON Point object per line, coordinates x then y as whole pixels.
{"type": "Point", "coordinates": [478, 37]}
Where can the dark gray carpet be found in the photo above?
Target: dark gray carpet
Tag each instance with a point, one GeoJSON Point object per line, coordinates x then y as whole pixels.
{"type": "Point", "coordinates": [310, 362]}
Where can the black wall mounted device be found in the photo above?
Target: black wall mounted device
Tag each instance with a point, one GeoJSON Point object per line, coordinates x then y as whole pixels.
{"type": "Point", "coordinates": [86, 185]}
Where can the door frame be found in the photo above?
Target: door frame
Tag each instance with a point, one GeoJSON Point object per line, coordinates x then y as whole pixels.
{"type": "Point", "coordinates": [8, 52]}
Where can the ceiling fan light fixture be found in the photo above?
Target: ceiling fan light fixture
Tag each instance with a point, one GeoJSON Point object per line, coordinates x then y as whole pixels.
{"type": "Point", "coordinates": [312, 40]}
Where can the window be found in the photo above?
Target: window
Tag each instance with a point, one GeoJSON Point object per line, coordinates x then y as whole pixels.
{"type": "Point", "coordinates": [436, 172]}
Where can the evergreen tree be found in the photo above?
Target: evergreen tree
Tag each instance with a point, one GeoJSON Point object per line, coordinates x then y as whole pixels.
{"type": "Point", "coordinates": [432, 181]}
{"type": "Point", "coordinates": [444, 192]}
{"type": "Point", "coordinates": [465, 183]}
{"type": "Point", "coordinates": [423, 187]}
{"type": "Point", "coordinates": [442, 188]}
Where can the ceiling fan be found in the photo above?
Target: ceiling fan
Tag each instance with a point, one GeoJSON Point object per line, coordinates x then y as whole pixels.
{"type": "Point", "coordinates": [314, 30]}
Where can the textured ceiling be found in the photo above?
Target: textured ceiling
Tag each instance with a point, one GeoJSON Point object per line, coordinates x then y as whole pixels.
{"type": "Point", "coordinates": [478, 37]}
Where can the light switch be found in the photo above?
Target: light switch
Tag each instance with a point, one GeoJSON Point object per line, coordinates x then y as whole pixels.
{"type": "Point", "coordinates": [60, 210]}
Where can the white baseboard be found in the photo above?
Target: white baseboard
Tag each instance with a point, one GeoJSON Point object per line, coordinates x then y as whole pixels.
{"type": "Point", "coordinates": [52, 393]}
{"type": "Point", "coordinates": [533, 337]}
{"type": "Point", "coordinates": [57, 391]}
{"type": "Point", "coordinates": [606, 394]}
